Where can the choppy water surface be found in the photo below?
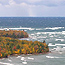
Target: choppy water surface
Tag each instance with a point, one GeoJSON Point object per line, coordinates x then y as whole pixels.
{"type": "Point", "coordinates": [47, 59]}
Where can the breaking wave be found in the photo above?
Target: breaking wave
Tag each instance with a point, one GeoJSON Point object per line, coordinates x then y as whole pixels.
{"type": "Point", "coordinates": [53, 57]}
{"type": "Point", "coordinates": [55, 28]}
{"type": "Point", "coordinates": [6, 63]}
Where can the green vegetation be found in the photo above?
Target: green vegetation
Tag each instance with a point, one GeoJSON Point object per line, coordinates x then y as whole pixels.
{"type": "Point", "coordinates": [13, 34]}
{"type": "Point", "coordinates": [10, 46]}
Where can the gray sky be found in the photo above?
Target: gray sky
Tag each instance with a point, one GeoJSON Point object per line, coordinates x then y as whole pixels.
{"type": "Point", "coordinates": [32, 8]}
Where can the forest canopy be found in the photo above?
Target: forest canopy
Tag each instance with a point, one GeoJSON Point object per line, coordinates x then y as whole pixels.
{"type": "Point", "coordinates": [13, 34]}
{"type": "Point", "coordinates": [10, 45]}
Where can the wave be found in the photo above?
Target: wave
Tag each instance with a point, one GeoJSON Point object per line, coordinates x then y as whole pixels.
{"type": "Point", "coordinates": [63, 32]}
{"type": "Point", "coordinates": [38, 33]}
{"type": "Point", "coordinates": [24, 62]}
{"type": "Point", "coordinates": [50, 44]}
{"type": "Point", "coordinates": [59, 48]}
{"type": "Point", "coordinates": [54, 28]}
{"type": "Point", "coordinates": [18, 57]}
{"type": "Point", "coordinates": [39, 28]}
{"type": "Point", "coordinates": [50, 33]}
{"type": "Point", "coordinates": [60, 44]}
{"type": "Point", "coordinates": [53, 57]}
{"type": "Point", "coordinates": [32, 34]}
{"type": "Point", "coordinates": [6, 63]}
{"type": "Point", "coordinates": [59, 39]}
{"type": "Point", "coordinates": [30, 58]}
{"type": "Point", "coordinates": [42, 37]}
{"type": "Point", "coordinates": [20, 28]}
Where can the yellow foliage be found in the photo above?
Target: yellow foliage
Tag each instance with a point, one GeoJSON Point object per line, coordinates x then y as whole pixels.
{"type": "Point", "coordinates": [15, 52]}
{"type": "Point", "coordinates": [1, 55]}
{"type": "Point", "coordinates": [18, 50]}
{"type": "Point", "coordinates": [44, 44]}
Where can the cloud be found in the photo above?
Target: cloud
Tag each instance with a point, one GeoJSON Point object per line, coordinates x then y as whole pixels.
{"type": "Point", "coordinates": [32, 8]}
{"type": "Point", "coordinates": [53, 2]}
{"type": "Point", "coordinates": [35, 2]}
{"type": "Point", "coordinates": [13, 9]}
{"type": "Point", "coordinates": [11, 2]}
{"type": "Point", "coordinates": [27, 1]}
{"type": "Point", "coordinates": [4, 2]}
{"type": "Point", "coordinates": [42, 2]}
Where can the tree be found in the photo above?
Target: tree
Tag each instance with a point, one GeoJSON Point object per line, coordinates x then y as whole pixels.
{"type": "Point", "coordinates": [44, 41]}
{"type": "Point", "coordinates": [20, 51]}
{"type": "Point", "coordinates": [18, 47]}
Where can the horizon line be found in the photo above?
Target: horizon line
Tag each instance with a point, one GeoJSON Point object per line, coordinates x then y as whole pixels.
{"type": "Point", "coordinates": [29, 16]}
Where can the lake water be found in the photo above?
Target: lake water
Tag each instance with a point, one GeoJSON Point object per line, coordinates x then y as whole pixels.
{"type": "Point", "coordinates": [50, 29]}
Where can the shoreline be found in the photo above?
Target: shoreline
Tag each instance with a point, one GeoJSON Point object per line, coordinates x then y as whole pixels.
{"type": "Point", "coordinates": [26, 54]}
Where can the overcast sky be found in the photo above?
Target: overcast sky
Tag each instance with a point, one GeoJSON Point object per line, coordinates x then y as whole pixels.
{"type": "Point", "coordinates": [32, 8]}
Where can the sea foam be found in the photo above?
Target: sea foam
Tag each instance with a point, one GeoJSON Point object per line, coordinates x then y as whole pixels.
{"type": "Point", "coordinates": [59, 39]}
{"type": "Point", "coordinates": [53, 57]}
{"type": "Point", "coordinates": [55, 28]}
{"type": "Point", "coordinates": [6, 63]}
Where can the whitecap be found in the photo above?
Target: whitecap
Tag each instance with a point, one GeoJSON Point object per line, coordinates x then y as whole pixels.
{"type": "Point", "coordinates": [39, 29]}
{"type": "Point", "coordinates": [18, 57]}
{"type": "Point", "coordinates": [60, 44]}
{"type": "Point", "coordinates": [25, 30]}
{"type": "Point", "coordinates": [54, 28]}
{"type": "Point", "coordinates": [6, 63]}
{"type": "Point", "coordinates": [53, 49]}
{"type": "Point", "coordinates": [59, 39]}
{"type": "Point", "coordinates": [42, 37]}
{"type": "Point", "coordinates": [32, 29]}
{"type": "Point", "coordinates": [60, 52]}
{"type": "Point", "coordinates": [35, 38]}
{"type": "Point", "coordinates": [53, 57]}
{"type": "Point", "coordinates": [38, 33]}
{"type": "Point", "coordinates": [38, 40]}
{"type": "Point", "coordinates": [1, 29]}
{"type": "Point", "coordinates": [50, 44]}
{"type": "Point", "coordinates": [30, 58]}
{"type": "Point", "coordinates": [24, 62]}
{"type": "Point", "coordinates": [19, 28]}
{"type": "Point", "coordinates": [22, 58]}
{"type": "Point", "coordinates": [32, 34]}
{"type": "Point", "coordinates": [44, 32]}
{"type": "Point", "coordinates": [63, 32]}
{"type": "Point", "coordinates": [50, 33]}
{"type": "Point", "coordinates": [28, 39]}
{"type": "Point", "coordinates": [49, 56]}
